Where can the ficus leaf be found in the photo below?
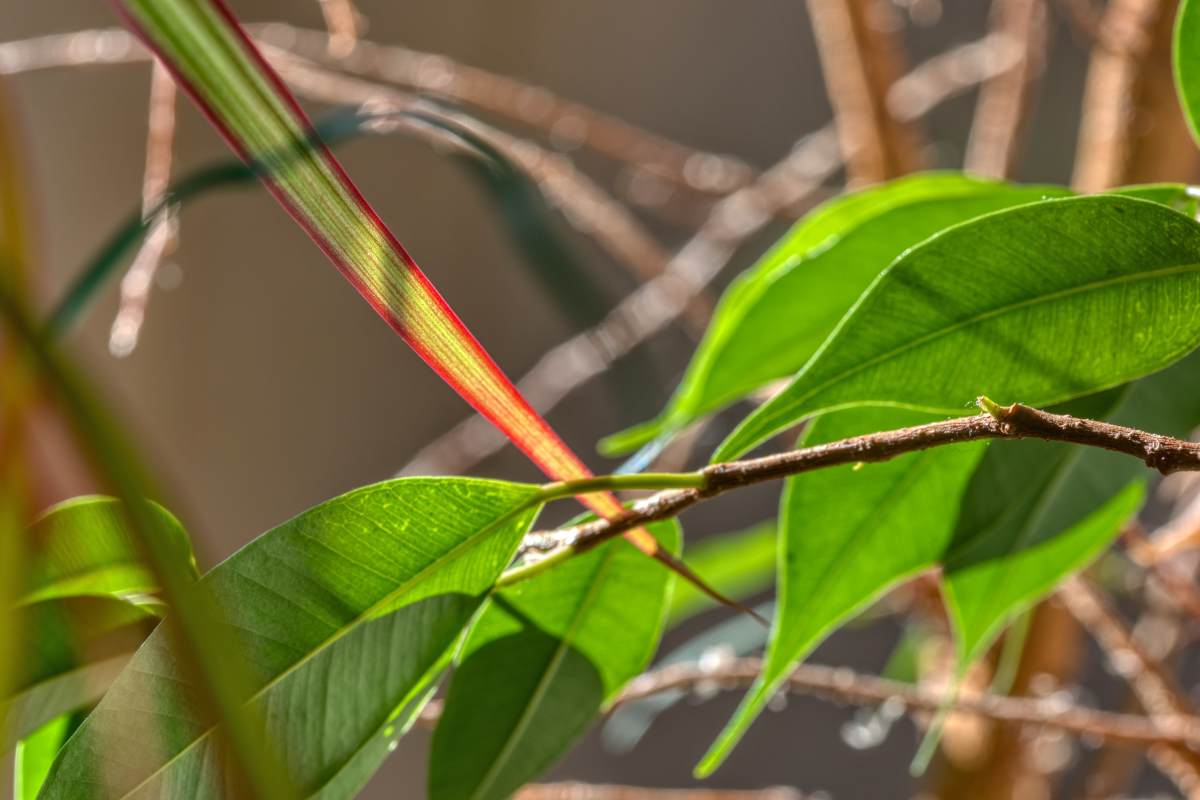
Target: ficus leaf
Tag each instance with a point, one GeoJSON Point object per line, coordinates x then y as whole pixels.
{"type": "Point", "coordinates": [539, 664]}
{"type": "Point", "coordinates": [776, 314]}
{"type": "Point", "coordinates": [88, 601]}
{"type": "Point", "coordinates": [1040, 304]}
{"type": "Point", "coordinates": [85, 548]}
{"type": "Point", "coordinates": [214, 60]}
{"type": "Point", "coordinates": [1035, 512]}
{"type": "Point", "coordinates": [35, 753]}
{"type": "Point", "coordinates": [1006, 521]}
{"type": "Point", "coordinates": [846, 536]}
{"type": "Point", "coordinates": [1185, 53]}
{"type": "Point", "coordinates": [343, 613]}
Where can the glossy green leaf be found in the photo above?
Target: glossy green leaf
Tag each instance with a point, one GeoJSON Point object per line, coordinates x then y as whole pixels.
{"type": "Point", "coordinates": [35, 753]}
{"type": "Point", "coordinates": [1186, 57]}
{"type": "Point", "coordinates": [846, 536]}
{"type": "Point", "coordinates": [1037, 304]}
{"type": "Point", "coordinates": [87, 604]}
{"type": "Point", "coordinates": [85, 548]}
{"type": "Point", "coordinates": [737, 564]}
{"type": "Point", "coordinates": [776, 314]}
{"type": "Point", "coordinates": [1037, 511]}
{"type": "Point", "coordinates": [343, 614]}
{"type": "Point", "coordinates": [540, 663]}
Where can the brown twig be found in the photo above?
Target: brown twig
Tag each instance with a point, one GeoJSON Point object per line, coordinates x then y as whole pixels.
{"type": "Point", "coordinates": [1152, 684]}
{"type": "Point", "coordinates": [788, 184]}
{"type": "Point", "coordinates": [861, 59]}
{"type": "Point", "coordinates": [139, 278]}
{"type": "Point", "coordinates": [1132, 129]}
{"type": "Point", "coordinates": [1163, 453]}
{"type": "Point", "coordinates": [342, 23]}
{"type": "Point", "coordinates": [435, 75]}
{"type": "Point", "coordinates": [588, 207]}
{"type": "Point", "coordinates": [563, 120]}
{"type": "Point", "coordinates": [843, 685]}
{"type": "Point", "coordinates": [1001, 114]}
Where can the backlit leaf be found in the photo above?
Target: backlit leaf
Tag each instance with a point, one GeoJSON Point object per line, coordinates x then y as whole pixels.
{"type": "Point", "coordinates": [846, 536]}
{"type": "Point", "coordinates": [214, 60]}
{"type": "Point", "coordinates": [343, 613]}
{"type": "Point", "coordinates": [776, 314]}
{"type": "Point", "coordinates": [539, 664]}
{"type": "Point", "coordinates": [1039, 304]}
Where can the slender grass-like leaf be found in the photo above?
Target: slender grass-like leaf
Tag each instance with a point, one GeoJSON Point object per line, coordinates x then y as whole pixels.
{"type": "Point", "coordinates": [344, 612]}
{"type": "Point", "coordinates": [776, 314]}
{"type": "Point", "coordinates": [539, 664]}
{"type": "Point", "coordinates": [1037, 304]}
{"type": "Point", "coordinates": [216, 63]}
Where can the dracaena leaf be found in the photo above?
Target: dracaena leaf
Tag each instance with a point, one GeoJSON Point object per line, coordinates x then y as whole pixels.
{"type": "Point", "coordinates": [213, 59]}
{"type": "Point", "coordinates": [344, 614]}
{"type": "Point", "coordinates": [1039, 304]}
{"type": "Point", "coordinates": [539, 664]}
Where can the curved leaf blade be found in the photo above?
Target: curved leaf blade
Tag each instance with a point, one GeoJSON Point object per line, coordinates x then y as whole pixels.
{"type": "Point", "coordinates": [540, 663]}
{"type": "Point", "coordinates": [1037, 512]}
{"type": "Point", "coordinates": [776, 314]}
{"type": "Point", "coordinates": [1185, 52]}
{"type": "Point", "coordinates": [846, 536]}
{"type": "Point", "coordinates": [1039, 303]}
{"type": "Point", "coordinates": [342, 613]}
{"type": "Point", "coordinates": [85, 548]}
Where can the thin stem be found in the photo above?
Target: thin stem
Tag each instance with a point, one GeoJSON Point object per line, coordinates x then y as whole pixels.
{"type": "Point", "coordinates": [843, 685]}
{"type": "Point", "coordinates": [617, 483]}
{"type": "Point", "coordinates": [1163, 453]}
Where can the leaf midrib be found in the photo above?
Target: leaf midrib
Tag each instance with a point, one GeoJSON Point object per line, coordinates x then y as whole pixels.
{"type": "Point", "coordinates": [343, 630]}
{"type": "Point", "coordinates": [551, 670]}
{"type": "Point", "coordinates": [973, 320]}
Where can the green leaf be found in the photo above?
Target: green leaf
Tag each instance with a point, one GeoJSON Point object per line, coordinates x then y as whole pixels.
{"type": "Point", "coordinates": [86, 549]}
{"type": "Point", "coordinates": [1037, 304]}
{"type": "Point", "coordinates": [1186, 57]}
{"type": "Point", "coordinates": [540, 663]}
{"type": "Point", "coordinates": [777, 313]}
{"type": "Point", "coordinates": [847, 535]}
{"type": "Point", "coordinates": [1036, 511]}
{"type": "Point", "coordinates": [36, 752]}
{"type": "Point", "coordinates": [737, 564]}
{"type": "Point", "coordinates": [86, 604]}
{"type": "Point", "coordinates": [343, 614]}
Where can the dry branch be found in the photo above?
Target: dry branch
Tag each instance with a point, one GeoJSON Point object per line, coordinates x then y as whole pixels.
{"type": "Point", "coordinates": [1163, 453]}
{"type": "Point", "coordinates": [788, 184]}
{"type": "Point", "coordinates": [1001, 115]}
{"type": "Point", "coordinates": [861, 59]}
